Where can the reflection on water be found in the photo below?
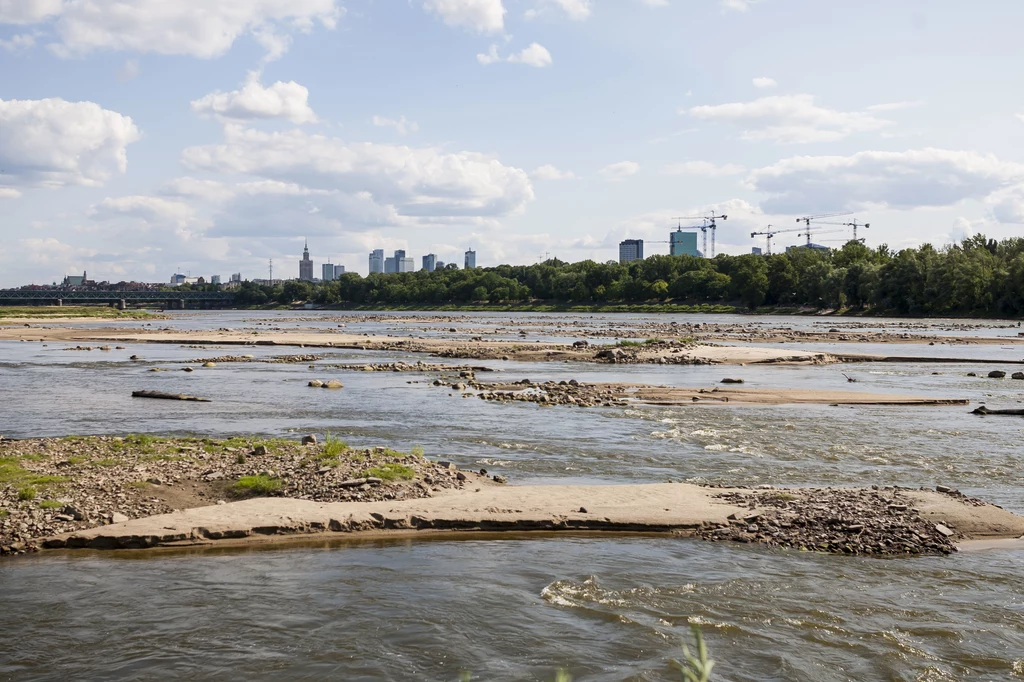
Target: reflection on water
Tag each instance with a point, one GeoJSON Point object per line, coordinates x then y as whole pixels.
{"type": "Point", "coordinates": [610, 608]}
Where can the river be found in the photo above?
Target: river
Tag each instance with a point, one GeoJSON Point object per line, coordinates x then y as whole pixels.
{"type": "Point", "coordinates": [519, 607]}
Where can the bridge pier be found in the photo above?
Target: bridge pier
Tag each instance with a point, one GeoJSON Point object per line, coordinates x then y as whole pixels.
{"type": "Point", "coordinates": [122, 305]}
{"type": "Point", "coordinates": [59, 303]}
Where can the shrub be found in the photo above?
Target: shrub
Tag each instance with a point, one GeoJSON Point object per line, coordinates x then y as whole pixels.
{"type": "Point", "coordinates": [27, 493]}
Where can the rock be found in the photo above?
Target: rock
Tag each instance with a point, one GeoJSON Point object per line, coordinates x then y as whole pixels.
{"type": "Point", "coordinates": [996, 374]}
{"type": "Point", "coordinates": [447, 465]}
{"type": "Point", "coordinates": [727, 380]}
{"type": "Point", "coordinates": [117, 517]}
{"type": "Point", "coordinates": [154, 481]}
{"type": "Point", "coordinates": [134, 357]}
{"type": "Point", "coordinates": [1017, 375]}
{"type": "Point", "coordinates": [943, 489]}
{"type": "Point", "coordinates": [259, 451]}
{"type": "Point", "coordinates": [187, 369]}
{"type": "Point", "coordinates": [461, 476]}
{"type": "Point", "coordinates": [333, 383]}
{"type": "Point", "coordinates": [972, 374]}
{"type": "Point", "coordinates": [209, 364]}
{"type": "Point", "coordinates": [74, 512]}
{"type": "Point", "coordinates": [168, 396]}
{"type": "Point", "coordinates": [580, 344]}
{"type": "Point", "coordinates": [309, 440]}
{"type": "Point", "coordinates": [316, 383]}
{"type": "Point", "coordinates": [583, 510]}
{"type": "Point", "coordinates": [499, 479]}
{"type": "Point", "coordinates": [945, 530]}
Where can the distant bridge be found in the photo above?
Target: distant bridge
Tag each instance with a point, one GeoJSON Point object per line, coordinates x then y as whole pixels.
{"type": "Point", "coordinates": [118, 299]}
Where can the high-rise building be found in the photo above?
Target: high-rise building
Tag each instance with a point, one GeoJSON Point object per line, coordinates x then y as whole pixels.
{"type": "Point", "coordinates": [683, 243]}
{"type": "Point", "coordinates": [756, 250]}
{"type": "Point", "coordinates": [430, 262]}
{"type": "Point", "coordinates": [439, 265]}
{"type": "Point", "coordinates": [214, 279]}
{"type": "Point", "coordinates": [376, 261]}
{"type": "Point", "coordinates": [631, 250]}
{"type": "Point", "coordinates": [327, 272]}
{"type": "Point", "coordinates": [390, 265]}
{"type": "Point", "coordinates": [236, 277]}
{"type": "Point", "coordinates": [306, 265]}
{"type": "Point", "coordinates": [470, 259]}
{"type": "Point", "coordinates": [399, 262]}
{"type": "Point", "coordinates": [339, 270]}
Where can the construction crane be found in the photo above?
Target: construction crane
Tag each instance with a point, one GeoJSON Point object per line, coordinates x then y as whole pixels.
{"type": "Point", "coordinates": [807, 233]}
{"type": "Point", "coordinates": [855, 225]}
{"type": "Point", "coordinates": [806, 220]}
{"type": "Point", "coordinates": [769, 233]}
{"type": "Point", "coordinates": [679, 228]}
{"type": "Point", "coordinates": [709, 224]}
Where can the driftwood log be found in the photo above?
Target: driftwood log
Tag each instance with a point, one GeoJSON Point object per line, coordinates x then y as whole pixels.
{"type": "Point", "coordinates": [168, 396]}
{"type": "Point", "coordinates": [985, 410]}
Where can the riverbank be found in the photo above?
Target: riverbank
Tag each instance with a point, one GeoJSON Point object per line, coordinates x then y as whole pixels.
{"type": "Point", "coordinates": [30, 314]}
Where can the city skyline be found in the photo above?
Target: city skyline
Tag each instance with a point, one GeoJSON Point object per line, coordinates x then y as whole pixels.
{"type": "Point", "coordinates": [222, 145]}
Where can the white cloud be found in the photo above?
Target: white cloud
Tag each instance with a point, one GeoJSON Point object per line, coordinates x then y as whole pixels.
{"type": "Point", "coordinates": [198, 28]}
{"type": "Point", "coordinates": [620, 170]}
{"type": "Point", "coordinates": [424, 182]}
{"type": "Point", "coordinates": [763, 82]}
{"type": "Point", "coordinates": [1020, 116]}
{"type": "Point", "coordinates": [900, 180]}
{"type": "Point", "coordinates": [27, 11]}
{"type": "Point", "coordinates": [401, 125]}
{"type": "Point", "coordinates": [18, 43]}
{"type": "Point", "coordinates": [737, 5]}
{"type": "Point", "coordinates": [192, 188]}
{"type": "Point", "coordinates": [128, 71]}
{"type": "Point", "coordinates": [1008, 204]}
{"type": "Point", "coordinates": [253, 101]}
{"type": "Point", "coordinates": [705, 168]}
{"type": "Point", "coordinates": [9, 193]}
{"type": "Point", "coordinates": [52, 142]}
{"type": "Point", "coordinates": [482, 16]}
{"type": "Point", "coordinates": [549, 172]}
{"type": "Point", "coordinates": [534, 55]}
{"type": "Point", "coordinates": [576, 10]}
{"type": "Point", "coordinates": [654, 3]}
{"type": "Point", "coordinates": [145, 208]}
{"type": "Point", "coordinates": [789, 119]}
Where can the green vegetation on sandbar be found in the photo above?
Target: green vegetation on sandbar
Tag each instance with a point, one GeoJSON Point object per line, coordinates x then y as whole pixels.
{"type": "Point", "coordinates": [97, 311]}
{"type": "Point", "coordinates": [977, 277]}
{"type": "Point", "coordinates": [392, 472]}
{"type": "Point", "coordinates": [256, 485]}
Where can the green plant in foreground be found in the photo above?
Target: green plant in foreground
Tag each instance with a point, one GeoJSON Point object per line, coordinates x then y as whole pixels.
{"type": "Point", "coordinates": [50, 504]}
{"type": "Point", "coordinates": [696, 668]}
{"type": "Point", "coordinates": [333, 446]}
{"type": "Point", "coordinates": [256, 485]}
{"type": "Point", "coordinates": [392, 472]}
{"type": "Point", "coordinates": [27, 493]}
{"type": "Point", "coordinates": [417, 451]}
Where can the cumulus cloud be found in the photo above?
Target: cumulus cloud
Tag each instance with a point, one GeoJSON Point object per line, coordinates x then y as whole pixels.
{"type": "Point", "coordinates": [1007, 205]}
{"type": "Point", "coordinates": [577, 10]}
{"type": "Point", "coordinates": [254, 101]}
{"type": "Point", "coordinates": [28, 11]}
{"type": "Point", "coordinates": [792, 119]}
{"type": "Point", "coordinates": [192, 188]}
{"type": "Point", "coordinates": [900, 180]}
{"type": "Point", "coordinates": [401, 125]}
{"type": "Point", "coordinates": [482, 16]}
{"type": "Point", "coordinates": [9, 193]}
{"type": "Point", "coordinates": [763, 82]}
{"type": "Point", "coordinates": [416, 181]}
{"type": "Point", "coordinates": [705, 168]}
{"type": "Point", "coordinates": [534, 55]}
{"type": "Point", "coordinates": [146, 208]}
{"type": "Point", "coordinates": [52, 142]}
{"type": "Point", "coordinates": [198, 28]}
{"type": "Point", "coordinates": [620, 170]}
{"type": "Point", "coordinates": [549, 172]}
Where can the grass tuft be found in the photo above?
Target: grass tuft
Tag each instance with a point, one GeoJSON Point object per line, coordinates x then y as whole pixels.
{"type": "Point", "coordinates": [417, 451]}
{"type": "Point", "coordinates": [26, 493]}
{"type": "Point", "coordinates": [392, 472]}
{"type": "Point", "coordinates": [50, 504]}
{"type": "Point", "coordinates": [261, 485]}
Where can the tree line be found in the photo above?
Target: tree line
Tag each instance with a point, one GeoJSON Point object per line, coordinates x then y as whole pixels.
{"type": "Point", "coordinates": [978, 276]}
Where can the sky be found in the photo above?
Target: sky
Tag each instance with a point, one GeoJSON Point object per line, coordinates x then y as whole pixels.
{"type": "Point", "coordinates": [139, 138]}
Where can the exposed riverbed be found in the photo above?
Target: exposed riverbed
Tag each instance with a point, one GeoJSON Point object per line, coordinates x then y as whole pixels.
{"type": "Point", "coordinates": [609, 608]}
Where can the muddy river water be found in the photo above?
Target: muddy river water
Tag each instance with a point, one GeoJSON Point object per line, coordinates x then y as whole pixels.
{"type": "Point", "coordinates": [520, 607]}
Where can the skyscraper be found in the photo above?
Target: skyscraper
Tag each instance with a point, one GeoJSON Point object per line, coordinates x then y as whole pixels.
{"type": "Point", "coordinates": [377, 261]}
{"type": "Point", "coordinates": [429, 262]}
{"type": "Point", "coordinates": [339, 270]}
{"type": "Point", "coordinates": [470, 259]}
{"type": "Point", "coordinates": [328, 272]}
{"type": "Point", "coordinates": [631, 250]}
{"type": "Point", "coordinates": [683, 243]}
{"type": "Point", "coordinates": [306, 265]}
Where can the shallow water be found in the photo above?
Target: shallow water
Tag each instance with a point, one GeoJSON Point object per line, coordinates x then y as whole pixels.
{"type": "Point", "coordinates": [611, 608]}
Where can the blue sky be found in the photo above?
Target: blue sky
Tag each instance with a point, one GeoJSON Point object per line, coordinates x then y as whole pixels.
{"type": "Point", "coordinates": [139, 137]}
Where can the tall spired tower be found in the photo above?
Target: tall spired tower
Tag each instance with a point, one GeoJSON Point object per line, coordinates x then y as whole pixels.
{"type": "Point", "coordinates": [306, 265]}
